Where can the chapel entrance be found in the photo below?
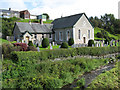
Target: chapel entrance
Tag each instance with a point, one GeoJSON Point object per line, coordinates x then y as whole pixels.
{"type": "Point", "coordinates": [84, 41]}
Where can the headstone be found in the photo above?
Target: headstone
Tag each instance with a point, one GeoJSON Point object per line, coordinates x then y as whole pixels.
{"type": "Point", "coordinates": [53, 43]}
{"type": "Point", "coordinates": [38, 49]}
{"type": "Point", "coordinates": [59, 46]}
{"type": "Point", "coordinates": [101, 44]}
{"type": "Point", "coordinates": [98, 44]}
{"type": "Point", "coordinates": [79, 45]}
{"type": "Point", "coordinates": [107, 43]}
{"type": "Point", "coordinates": [56, 44]}
{"type": "Point", "coordinates": [51, 48]}
{"type": "Point", "coordinates": [92, 45]}
{"type": "Point", "coordinates": [18, 40]}
{"type": "Point", "coordinates": [22, 41]}
{"type": "Point", "coordinates": [50, 44]}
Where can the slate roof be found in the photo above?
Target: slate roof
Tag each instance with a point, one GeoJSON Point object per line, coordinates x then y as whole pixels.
{"type": "Point", "coordinates": [67, 22]}
{"type": "Point", "coordinates": [8, 11]}
{"type": "Point", "coordinates": [34, 27]}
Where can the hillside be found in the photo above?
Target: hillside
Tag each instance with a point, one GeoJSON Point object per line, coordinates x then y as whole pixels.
{"type": "Point", "coordinates": [96, 30]}
{"type": "Point", "coordinates": [35, 21]}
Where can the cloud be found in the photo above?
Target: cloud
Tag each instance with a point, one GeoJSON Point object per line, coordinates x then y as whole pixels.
{"type": "Point", "coordinates": [14, 4]}
{"type": "Point", "coordinates": [56, 8]}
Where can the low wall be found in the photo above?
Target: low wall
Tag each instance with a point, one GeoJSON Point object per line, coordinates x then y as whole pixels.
{"type": "Point", "coordinates": [89, 56]}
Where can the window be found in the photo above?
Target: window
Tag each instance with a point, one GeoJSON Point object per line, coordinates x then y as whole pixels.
{"type": "Point", "coordinates": [79, 34]}
{"type": "Point", "coordinates": [61, 36]}
{"type": "Point", "coordinates": [42, 35]}
{"type": "Point", "coordinates": [50, 35]}
{"type": "Point", "coordinates": [88, 33]}
{"type": "Point", "coordinates": [68, 35]}
{"type": "Point", "coordinates": [35, 36]}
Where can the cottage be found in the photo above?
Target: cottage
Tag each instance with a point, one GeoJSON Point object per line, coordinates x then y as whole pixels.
{"type": "Point", "coordinates": [76, 26]}
{"type": "Point", "coordinates": [34, 32]}
{"type": "Point", "coordinates": [25, 14]}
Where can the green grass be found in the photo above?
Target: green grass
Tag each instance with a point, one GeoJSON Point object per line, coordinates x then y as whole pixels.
{"type": "Point", "coordinates": [35, 20]}
{"type": "Point", "coordinates": [96, 30]}
{"type": "Point", "coordinates": [53, 47]}
{"type": "Point", "coordinates": [109, 79]}
{"type": "Point", "coordinates": [5, 41]}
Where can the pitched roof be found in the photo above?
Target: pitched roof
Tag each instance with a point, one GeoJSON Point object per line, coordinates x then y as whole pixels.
{"type": "Point", "coordinates": [34, 27]}
{"type": "Point", "coordinates": [8, 11]}
{"type": "Point", "coordinates": [67, 22]}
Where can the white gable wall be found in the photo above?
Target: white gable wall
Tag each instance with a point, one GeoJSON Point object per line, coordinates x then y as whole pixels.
{"type": "Point", "coordinates": [83, 25]}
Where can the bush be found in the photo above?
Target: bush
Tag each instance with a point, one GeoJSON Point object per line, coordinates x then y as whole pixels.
{"type": "Point", "coordinates": [64, 45]}
{"type": "Point", "coordinates": [23, 45]}
{"type": "Point", "coordinates": [81, 82]}
{"type": "Point", "coordinates": [31, 48]}
{"type": "Point", "coordinates": [45, 43]}
{"type": "Point", "coordinates": [30, 43]}
{"type": "Point", "coordinates": [52, 54]}
{"type": "Point", "coordinates": [71, 42]}
{"type": "Point", "coordinates": [90, 42]}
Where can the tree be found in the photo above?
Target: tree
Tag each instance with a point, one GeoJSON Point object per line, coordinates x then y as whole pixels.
{"type": "Point", "coordinates": [45, 43]}
{"type": "Point", "coordinates": [90, 42]}
{"type": "Point", "coordinates": [64, 45]}
{"type": "Point", "coordinates": [47, 16]}
{"type": "Point", "coordinates": [71, 42]}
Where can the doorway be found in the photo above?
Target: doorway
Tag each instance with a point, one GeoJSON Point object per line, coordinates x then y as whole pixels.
{"type": "Point", "coordinates": [27, 39]}
{"type": "Point", "coordinates": [84, 41]}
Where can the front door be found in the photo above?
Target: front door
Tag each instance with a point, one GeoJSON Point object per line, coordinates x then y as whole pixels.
{"type": "Point", "coordinates": [84, 41]}
{"type": "Point", "coordinates": [27, 39]}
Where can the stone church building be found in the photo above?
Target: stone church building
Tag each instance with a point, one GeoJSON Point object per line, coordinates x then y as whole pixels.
{"type": "Point", "coordinates": [60, 30]}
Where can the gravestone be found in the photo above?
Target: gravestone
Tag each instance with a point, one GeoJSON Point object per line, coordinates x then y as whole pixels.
{"type": "Point", "coordinates": [51, 48]}
{"type": "Point", "coordinates": [59, 46]}
{"type": "Point", "coordinates": [53, 43]}
{"type": "Point", "coordinates": [50, 44]}
{"type": "Point", "coordinates": [38, 49]}
{"type": "Point", "coordinates": [56, 44]}
{"type": "Point", "coordinates": [22, 41]}
{"type": "Point", "coordinates": [18, 40]}
{"type": "Point", "coordinates": [92, 45]}
{"type": "Point", "coordinates": [101, 44]}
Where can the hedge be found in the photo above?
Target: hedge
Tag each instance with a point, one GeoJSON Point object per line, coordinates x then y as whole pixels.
{"type": "Point", "coordinates": [59, 53]}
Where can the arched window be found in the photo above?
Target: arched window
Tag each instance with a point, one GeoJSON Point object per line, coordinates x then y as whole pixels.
{"type": "Point", "coordinates": [68, 35]}
{"type": "Point", "coordinates": [79, 34]}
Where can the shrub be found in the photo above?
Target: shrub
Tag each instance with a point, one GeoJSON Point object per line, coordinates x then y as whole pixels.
{"type": "Point", "coordinates": [23, 45]}
{"type": "Point", "coordinates": [7, 49]}
{"type": "Point", "coordinates": [71, 42]}
{"type": "Point", "coordinates": [30, 43]}
{"type": "Point", "coordinates": [31, 48]}
{"type": "Point", "coordinates": [81, 82]}
{"type": "Point", "coordinates": [45, 43]}
{"type": "Point", "coordinates": [64, 45]}
{"type": "Point", "coordinates": [90, 42]}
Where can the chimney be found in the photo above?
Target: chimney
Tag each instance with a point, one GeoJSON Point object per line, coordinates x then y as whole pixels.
{"type": "Point", "coordinates": [9, 9]}
{"type": "Point", "coordinates": [41, 22]}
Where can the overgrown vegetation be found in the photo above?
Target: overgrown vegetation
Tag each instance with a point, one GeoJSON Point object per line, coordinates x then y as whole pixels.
{"type": "Point", "coordinates": [31, 74]}
{"type": "Point", "coordinates": [59, 53]}
{"type": "Point", "coordinates": [64, 45]}
{"type": "Point", "coordinates": [71, 41]}
{"type": "Point", "coordinates": [108, 79]}
{"type": "Point", "coordinates": [90, 43]}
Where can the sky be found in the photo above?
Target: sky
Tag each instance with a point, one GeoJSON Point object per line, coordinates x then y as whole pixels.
{"type": "Point", "coordinates": [58, 8]}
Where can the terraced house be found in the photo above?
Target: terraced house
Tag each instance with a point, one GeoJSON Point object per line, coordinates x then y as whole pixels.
{"type": "Point", "coordinates": [76, 26]}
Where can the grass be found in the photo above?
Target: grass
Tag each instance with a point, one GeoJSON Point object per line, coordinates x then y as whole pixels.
{"type": "Point", "coordinates": [96, 30]}
{"type": "Point", "coordinates": [5, 41]}
{"type": "Point", "coordinates": [53, 47]}
{"type": "Point", "coordinates": [108, 79]}
{"type": "Point", "coordinates": [35, 20]}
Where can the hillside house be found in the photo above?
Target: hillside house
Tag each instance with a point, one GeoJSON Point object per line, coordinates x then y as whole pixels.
{"type": "Point", "coordinates": [9, 13]}
{"type": "Point", "coordinates": [76, 26]}
{"type": "Point", "coordinates": [25, 14]}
